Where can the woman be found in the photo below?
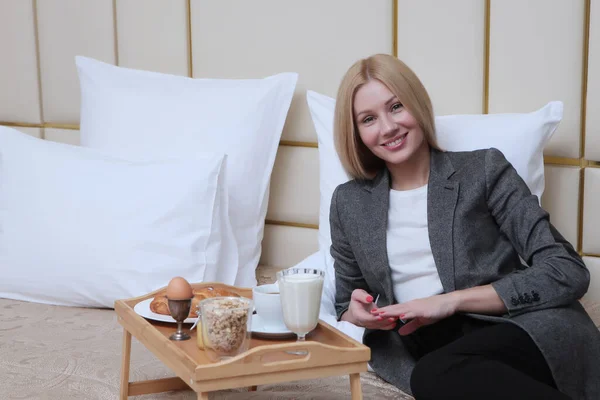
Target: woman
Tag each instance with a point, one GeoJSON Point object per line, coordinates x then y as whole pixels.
{"type": "Point", "coordinates": [426, 246]}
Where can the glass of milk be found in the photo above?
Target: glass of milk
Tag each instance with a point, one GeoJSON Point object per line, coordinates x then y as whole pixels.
{"type": "Point", "coordinates": [300, 292]}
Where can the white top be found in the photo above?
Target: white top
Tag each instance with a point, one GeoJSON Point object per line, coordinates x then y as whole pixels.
{"type": "Point", "coordinates": [414, 273]}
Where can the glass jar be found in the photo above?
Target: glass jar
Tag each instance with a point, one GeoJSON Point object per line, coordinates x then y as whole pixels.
{"type": "Point", "coordinates": [225, 324]}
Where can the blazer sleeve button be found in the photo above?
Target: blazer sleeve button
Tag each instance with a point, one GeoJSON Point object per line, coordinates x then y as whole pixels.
{"type": "Point", "coordinates": [527, 298]}
{"type": "Point", "coordinates": [535, 295]}
{"type": "Point", "coordinates": [521, 300]}
{"type": "Point", "coordinates": [514, 301]}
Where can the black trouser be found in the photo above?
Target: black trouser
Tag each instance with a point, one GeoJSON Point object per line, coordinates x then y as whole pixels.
{"type": "Point", "coordinates": [463, 358]}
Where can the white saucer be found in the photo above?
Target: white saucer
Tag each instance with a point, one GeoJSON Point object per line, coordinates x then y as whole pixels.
{"type": "Point", "coordinates": [259, 330]}
{"type": "Point", "coordinates": [143, 308]}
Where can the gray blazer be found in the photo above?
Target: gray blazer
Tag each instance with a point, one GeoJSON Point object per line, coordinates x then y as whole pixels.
{"type": "Point", "coordinates": [481, 218]}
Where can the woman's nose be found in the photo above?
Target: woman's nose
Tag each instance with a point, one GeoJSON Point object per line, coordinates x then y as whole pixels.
{"type": "Point", "coordinates": [387, 125]}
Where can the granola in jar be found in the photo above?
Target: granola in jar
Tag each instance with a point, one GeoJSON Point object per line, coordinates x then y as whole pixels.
{"type": "Point", "coordinates": [225, 324]}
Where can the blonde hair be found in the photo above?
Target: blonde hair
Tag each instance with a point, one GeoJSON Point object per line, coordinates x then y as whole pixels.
{"type": "Point", "coordinates": [356, 158]}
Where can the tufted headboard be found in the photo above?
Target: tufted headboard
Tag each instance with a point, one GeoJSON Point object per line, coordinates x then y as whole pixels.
{"type": "Point", "coordinates": [474, 56]}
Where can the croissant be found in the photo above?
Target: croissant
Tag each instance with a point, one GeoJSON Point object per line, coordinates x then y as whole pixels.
{"type": "Point", "coordinates": [160, 305]}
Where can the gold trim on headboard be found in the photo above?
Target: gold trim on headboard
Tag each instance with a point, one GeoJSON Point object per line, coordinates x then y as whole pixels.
{"type": "Point", "coordinates": [115, 32]}
{"type": "Point", "coordinates": [548, 160]}
{"type": "Point", "coordinates": [75, 127]}
{"type": "Point", "coordinates": [395, 28]}
{"type": "Point", "coordinates": [582, 132]}
{"type": "Point", "coordinates": [593, 164]}
{"type": "Point", "coordinates": [292, 224]}
{"type": "Point", "coordinates": [580, 210]}
{"type": "Point", "coordinates": [298, 144]}
{"type": "Point", "coordinates": [486, 57]}
{"type": "Point", "coordinates": [44, 125]}
{"type": "Point", "coordinates": [38, 66]}
{"type": "Point", "coordinates": [584, 75]}
{"type": "Point", "coordinates": [188, 5]}
{"type": "Point", "coordinates": [563, 161]}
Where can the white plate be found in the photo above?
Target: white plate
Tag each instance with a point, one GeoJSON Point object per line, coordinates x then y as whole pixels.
{"type": "Point", "coordinates": [259, 330]}
{"type": "Point", "coordinates": [143, 308]}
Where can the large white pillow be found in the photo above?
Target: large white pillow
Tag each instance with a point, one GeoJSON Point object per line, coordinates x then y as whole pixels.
{"type": "Point", "coordinates": [80, 228]}
{"type": "Point", "coordinates": [521, 137]}
{"type": "Point", "coordinates": [142, 115]}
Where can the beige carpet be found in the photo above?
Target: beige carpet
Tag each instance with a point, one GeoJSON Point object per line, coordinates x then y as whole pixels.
{"type": "Point", "coordinates": [62, 353]}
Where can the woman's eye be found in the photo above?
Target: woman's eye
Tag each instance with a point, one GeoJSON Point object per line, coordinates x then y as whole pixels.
{"type": "Point", "coordinates": [396, 107]}
{"type": "Point", "coordinates": [367, 120]}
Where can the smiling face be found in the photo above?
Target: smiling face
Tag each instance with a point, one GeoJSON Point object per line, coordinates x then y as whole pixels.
{"type": "Point", "coordinates": [385, 126]}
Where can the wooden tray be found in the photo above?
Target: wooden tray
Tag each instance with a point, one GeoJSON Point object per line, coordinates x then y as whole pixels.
{"type": "Point", "coordinates": [330, 353]}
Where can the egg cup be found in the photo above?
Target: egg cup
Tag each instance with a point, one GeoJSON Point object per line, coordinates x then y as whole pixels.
{"type": "Point", "coordinates": [179, 310]}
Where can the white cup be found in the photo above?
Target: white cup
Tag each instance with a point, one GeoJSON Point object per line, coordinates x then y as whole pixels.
{"type": "Point", "coordinates": [267, 303]}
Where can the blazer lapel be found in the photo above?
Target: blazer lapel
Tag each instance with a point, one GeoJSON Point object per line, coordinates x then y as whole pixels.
{"type": "Point", "coordinates": [441, 202]}
{"type": "Point", "coordinates": [374, 236]}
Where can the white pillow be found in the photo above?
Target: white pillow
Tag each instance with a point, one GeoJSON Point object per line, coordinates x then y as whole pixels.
{"type": "Point", "coordinates": [142, 115]}
{"type": "Point", "coordinates": [521, 137]}
{"type": "Point", "coordinates": [79, 228]}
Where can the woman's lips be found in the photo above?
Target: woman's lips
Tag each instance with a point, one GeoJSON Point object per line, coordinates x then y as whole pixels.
{"type": "Point", "coordinates": [396, 143]}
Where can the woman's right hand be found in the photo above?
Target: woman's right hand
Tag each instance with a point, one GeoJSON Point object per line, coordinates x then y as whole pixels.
{"type": "Point", "coordinates": [359, 312]}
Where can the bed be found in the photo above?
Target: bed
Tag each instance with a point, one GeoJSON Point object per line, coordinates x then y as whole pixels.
{"type": "Point", "coordinates": [58, 352]}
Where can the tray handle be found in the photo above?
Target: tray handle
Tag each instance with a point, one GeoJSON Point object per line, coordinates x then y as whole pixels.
{"type": "Point", "coordinates": [253, 361]}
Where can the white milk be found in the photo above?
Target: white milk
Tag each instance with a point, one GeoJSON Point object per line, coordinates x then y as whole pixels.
{"type": "Point", "coordinates": [301, 301]}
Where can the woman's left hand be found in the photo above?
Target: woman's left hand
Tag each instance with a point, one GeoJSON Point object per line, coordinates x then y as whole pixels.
{"type": "Point", "coordinates": [420, 312]}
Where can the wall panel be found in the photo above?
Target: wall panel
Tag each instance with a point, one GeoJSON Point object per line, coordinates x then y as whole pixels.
{"type": "Point", "coordinates": [35, 132]}
{"type": "Point", "coordinates": [285, 246]}
{"type": "Point", "coordinates": [68, 136]}
{"type": "Point", "coordinates": [68, 28]}
{"type": "Point", "coordinates": [318, 39]}
{"type": "Point", "coordinates": [561, 199]}
{"type": "Point", "coordinates": [535, 57]}
{"type": "Point", "coordinates": [19, 95]}
{"type": "Point", "coordinates": [152, 35]}
{"type": "Point", "coordinates": [593, 264]}
{"type": "Point", "coordinates": [443, 42]}
{"type": "Point", "coordinates": [591, 212]}
{"type": "Point", "coordinates": [592, 132]}
{"type": "Point", "coordinates": [294, 193]}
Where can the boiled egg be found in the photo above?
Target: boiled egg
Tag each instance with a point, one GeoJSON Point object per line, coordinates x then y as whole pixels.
{"type": "Point", "coordinates": [179, 289]}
